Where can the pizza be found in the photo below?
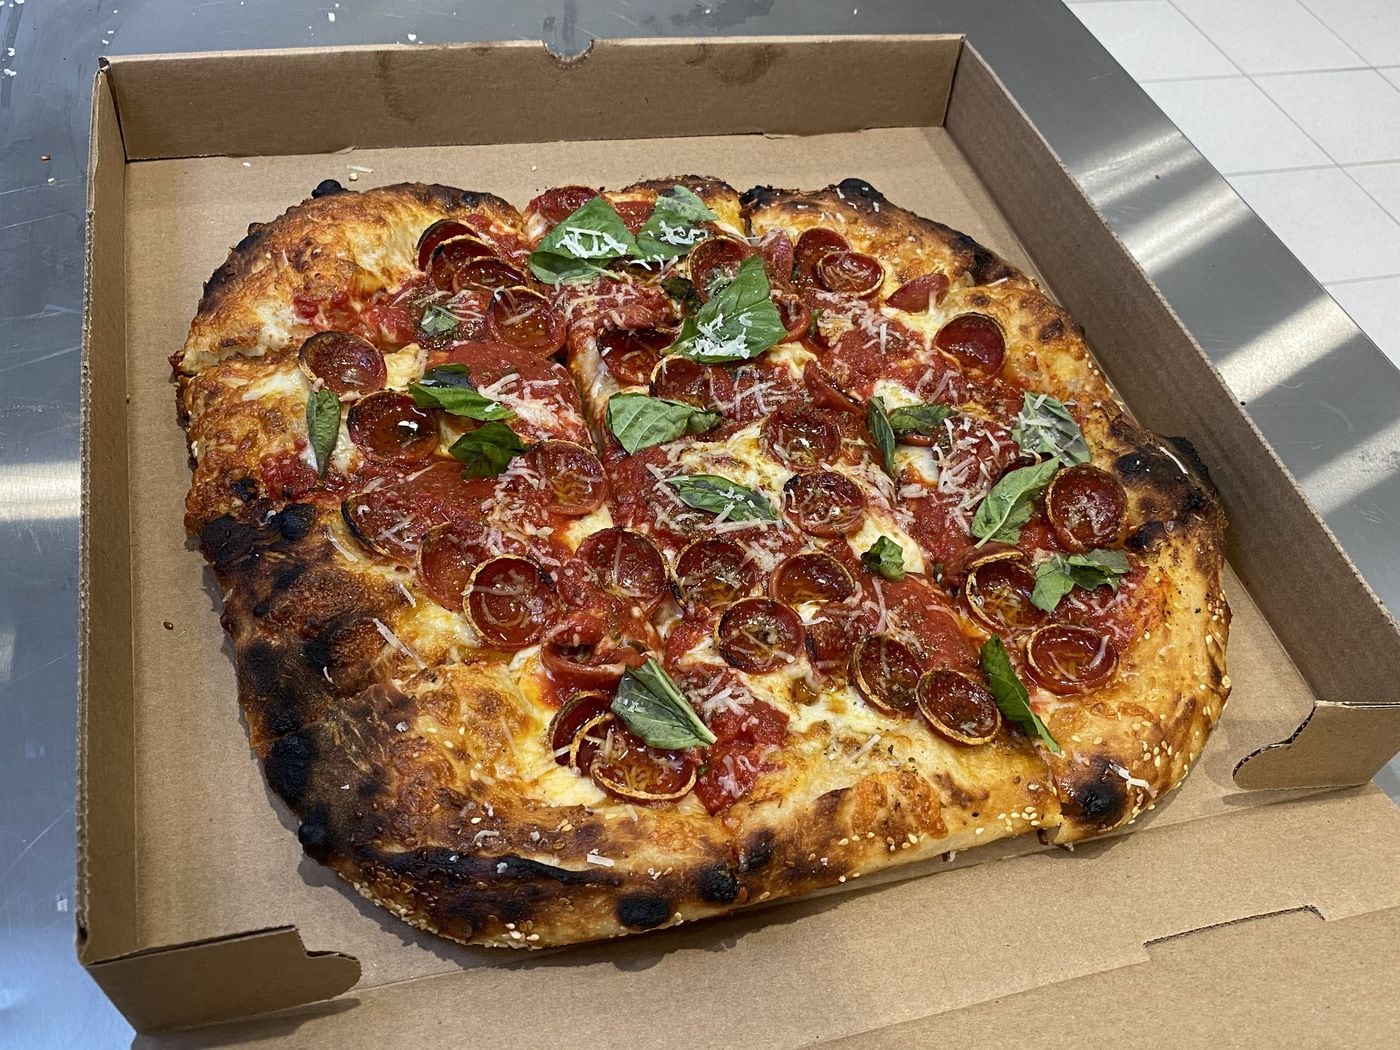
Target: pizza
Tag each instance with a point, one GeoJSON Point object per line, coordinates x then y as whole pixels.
{"type": "Point", "coordinates": [647, 554]}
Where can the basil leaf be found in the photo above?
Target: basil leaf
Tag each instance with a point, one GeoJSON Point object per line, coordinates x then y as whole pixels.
{"type": "Point", "coordinates": [737, 324]}
{"type": "Point", "coordinates": [448, 375]}
{"type": "Point", "coordinates": [923, 419]}
{"type": "Point", "coordinates": [485, 451]}
{"type": "Point", "coordinates": [878, 420]}
{"type": "Point", "coordinates": [639, 421]}
{"type": "Point", "coordinates": [886, 558]}
{"type": "Point", "coordinates": [1008, 506]}
{"type": "Point", "coordinates": [322, 426]}
{"type": "Point", "coordinates": [453, 393]}
{"type": "Point", "coordinates": [438, 320]}
{"type": "Point", "coordinates": [1011, 696]}
{"type": "Point", "coordinates": [1045, 427]}
{"type": "Point", "coordinates": [654, 708]}
{"type": "Point", "coordinates": [672, 228]}
{"type": "Point", "coordinates": [722, 496]}
{"type": "Point", "coordinates": [1058, 574]}
{"type": "Point", "coordinates": [579, 247]}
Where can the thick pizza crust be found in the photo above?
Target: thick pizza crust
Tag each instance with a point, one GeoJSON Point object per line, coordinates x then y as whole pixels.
{"type": "Point", "coordinates": [407, 760]}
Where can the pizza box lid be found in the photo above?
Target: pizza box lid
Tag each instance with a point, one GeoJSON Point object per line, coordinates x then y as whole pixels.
{"type": "Point", "coordinates": [195, 904]}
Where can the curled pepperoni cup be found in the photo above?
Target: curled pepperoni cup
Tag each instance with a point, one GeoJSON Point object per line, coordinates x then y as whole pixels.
{"type": "Point", "coordinates": [958, 707]}
{"type": "Point", "coordinates": [794, 313]}
{"type": "Point", "coordinates": [446, 558]}
{"type": "Point", "coordinates": [589, 739]}
{"type": "Point", "coordinates": [824, 503]}
{"type": "Point", "coordinates": [345, 363]}
{"type": "Point", "coordinates": [757, 635]}
{"type": "Point", "coordinates": [825, 392]}
{"type": "Point", "coordinates": [886, 674]}
{"type": "Point", "coordinates": [488, 275]}
{"type": "Point", "coordinates": [1067, 659]}
{"type": "Point", "coordinates": [632, 353]}
{"type": "Point", "coordinates": [629, 769]}
{"type": "Point", "coordinates": [801, 437]}
{"type": "Point", "coordinates": [1086, 507]}
{"type": "Point", "coordinates": [572, 717]}
{"type": "Point", "coordinates": [832, 636]}
{"type": "Point", "coordinates": [556, 205]}
{"type": "Point", "coordinates": [714, 262]}
{"type": "Point", "coordinates": [580, 652]}
{"type": "Point", "coordinates": [998, 591]}
{"type": "Point", "coordinates": [572, 476]}
{"type": "Point", "coordinates": [509, 601]}
{"type": "Point", "coordinates": [811, 577]}
{"type": "Point", "coordinates": [678, 378]}
{"type": "Point", "coordinates": [526, 319]}
{"type": "Point", "coordinates": [811, 246]}
{"type": "Point", "coordinates": [626, 565]}
{"type": "Point", "coordinates": [715, 573]}
{"type": "Point", "coordinates": [919, 295]}
{"type": "Point", "coordinates": [393, 516]}
{"type": "Point", "coordinates": [451, 257]}
{"type": "Point", "coordinates": [436, 234]}
{"type": "Point", "coordinates": [389, 428]}
{"type": "Point", "coordinates": [852, 272]}
{"type": "Point", "coordinates": [776, 249]}
{"type": "Point", "coordinates": [975, 340]}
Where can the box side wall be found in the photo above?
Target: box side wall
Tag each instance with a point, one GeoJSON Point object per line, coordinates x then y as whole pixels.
{"type": "Point", "coordinates": [257, 103]}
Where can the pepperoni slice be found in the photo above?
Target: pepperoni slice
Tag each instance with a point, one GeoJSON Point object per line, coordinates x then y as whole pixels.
{"type": "Point", "coordinates": [450, 258]}
{"type": "Point", "coordinates": [632, 353]}
{"type": "Point", "coordinates": [919, 295]}
{"type": "Point", "coordinates": [776, 249]}
{"type": "Point", "coordinates": [634, 214]}
{"type": "Point", "coordinates": [344, 362]}
{"type": "Point", "coordinates": [801, 438]}
{"type": "Point", "coordinates": [556, 205]}
{"type": "Point", "coordinates": [573, 475]}
{"type": "Point", "coordinates": [678, 378]}
{"type": "Point", "coordinates": [629, 769]}
{"type": "Point", "coordinates": [811, 577]}
{"type": "Point", "coordinates": [446, 558]}
{"type": "Point", "coordinates": [886, 674]}
{"type": "Point", "coordinates": [714, 262]}
{"type": "Point", "coordinates": [832, 636]}
{"type": "Point", "coordinates": [572, 717]}
{"type": "Point", "coordinates": [436, 234]}
{"type": "Point", "coordinates": [826, 392]}
{"type": "Point", "coordinates": [958, 707]}
{"type": "Point", "coordinates": [508, 601]}
{"type": "Point", "coordinates": [389, 428]}
{"type": "Point", "coordinates": [487, 275]}
{"type": "Point", "coordinates": [1067, 659]}
{"type": "Point", "coordinates": [589, 739]}
{"type": "Point", "coordinates": [392, 518]}
{"type": "Point", "coordinates": [580, 652]}
{"type": "Point", "coordinates": [626, 565]}
{"type": "Point", "coordinates": [998, 591]}
{"type": "Point", "coordinates": [824, 503]}
{"type": "Point", "coordinates": [715, 573]}
{"type": "Point", "coordinates": [523, 317]}
{"type": "Point", "coordinates": [975, 340]}
{"type": "Point", "coordinates": [731, 769]}
{"type": "Point", "coordinates": [852, 272]}
{"type": "Point", "coordinates": [1086, 507]}
{"type": "Point", "coordinates": [759, 635]}
{"type": "Point", "coordinates": [795, 314]}
{"type": "Point", "coordinates": [811, 246]}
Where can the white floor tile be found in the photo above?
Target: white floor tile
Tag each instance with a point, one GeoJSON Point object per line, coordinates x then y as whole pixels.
{"type": "Point", "coordinates": [1327, 220]}
{"type": "Point", "coordinates": [1151, 39]}
{"type": "Point", "coordinates": [1372, 27]}
{"type": "Point", "coordinates": [1392, 74]}
{"type": "Point", "coordinates": [1234, 124]}
{"type": "Point", "coordinates": [1382, 181]}
{"type": "Point", "coordinates": [1375, 306]}
{"type": "Point", "coordinates": [1353, 115]}
{"type": "Point", "coordinates": [1269, 36]}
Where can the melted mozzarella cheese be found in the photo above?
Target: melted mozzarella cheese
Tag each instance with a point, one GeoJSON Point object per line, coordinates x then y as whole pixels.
{"type": "Point", "coordinates": [877, 523]}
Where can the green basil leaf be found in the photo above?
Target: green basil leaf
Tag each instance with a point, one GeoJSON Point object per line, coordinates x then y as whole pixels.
{"type": "Point", "coordinates": [654, 708]}
{"type": "Point", "coordinates": [487, 450]}
{"type": "Point", "coordinates": [449, 388]}
{"type": "Point", "coordinates": [737, 324]}
{"type": "Point", "coordinates": [448, 375]}
{"type": "Point", "coordinates": [886, 558]}
{"type": "Point", "coordinates": [721, 496]}
{"type": "Point", "coordinates": [1058, 574]}
{"type": "Point", "coordinates": [639, 421]}
{"type": "Point", "coordinates": [923, 419]}
{"type": "Point", "coordinates": [1011, 695]}
{"type": "Point", "coordinates": [581, 246]}
{"type": "Point", "coordinates": [673, 227]}
{"type": "Point", "coordinates": [1008, 506]}
{"type": "Point", "coordinates": [1045, 427]}
{"type": "Point", "coordinates": [438, 320]}
{"type": "Point", "coordinates": [322, 426]}
{"type": "Point", "coordinates": [878, 420]}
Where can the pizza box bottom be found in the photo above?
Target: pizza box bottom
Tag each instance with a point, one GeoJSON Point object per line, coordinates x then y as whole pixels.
{"type": "Point", "coordinates": [198, 907]}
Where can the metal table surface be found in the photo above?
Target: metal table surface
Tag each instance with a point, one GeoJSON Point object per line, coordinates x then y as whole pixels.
{"type": "Point", "coordinates": [1319, 389]}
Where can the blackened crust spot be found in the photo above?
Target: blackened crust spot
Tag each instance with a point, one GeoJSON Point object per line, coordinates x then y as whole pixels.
{"type": "Point", "coordinates": [328, 188]}
{"type": "Point", "coordinates": [718, 885]}
{"type": "Point", "coordinates": [227, 542]}
{"type": "Point", "coordinates": [288, 766]}
{"type": "Point", "coordinates": [247, 242]}
{"type": "Point", "coordinates": [757, 852]}
{"type": "Point", "coordinates": [1147, 537]}
{"type": "Point", "coordinates": [295, 521]}
{"type": "Point", "coordinates": [1099, 797]}
{"type": "Point", "coordinates": [246, 489]}
{"type": "Point", "coordinates": [643, 911]}
{"type": "Point", "coordinates": [314, 833]}
{"type": "Point", "coordinates": [860, 188]}
{"type": "Point", "coordinates": [758, 197]}
{"type": "Point", "coordinates": [1133, 465]}
{"type": "Point", "coordinates": [1051, 331]}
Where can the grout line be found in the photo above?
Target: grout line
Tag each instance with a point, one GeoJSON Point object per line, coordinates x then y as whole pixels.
{"type": "Point", "coordinates": [1310, 72]}
{"type": "Point", "coordinates": [1362, 280]}
{"type": "Point", "coordinates": [1203, 76]}
{"type": "Point", "coordinates": [1336, 33]}
{"type": "Point", "coordinates": [1310, 167]}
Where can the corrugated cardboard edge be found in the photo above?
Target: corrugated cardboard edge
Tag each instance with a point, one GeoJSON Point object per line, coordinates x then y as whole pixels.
{"type": "Point", "coordinates": [1352, 659]}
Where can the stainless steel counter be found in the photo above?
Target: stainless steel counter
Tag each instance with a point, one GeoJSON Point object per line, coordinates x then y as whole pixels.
{"type": "Point", "coordinates": [1318, 388]}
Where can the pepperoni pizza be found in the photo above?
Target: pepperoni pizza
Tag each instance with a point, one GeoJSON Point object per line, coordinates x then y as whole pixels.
{"type": "Point", "coordinates": [647, 554]}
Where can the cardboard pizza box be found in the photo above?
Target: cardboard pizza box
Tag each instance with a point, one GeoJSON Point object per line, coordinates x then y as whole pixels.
{"type": "Point", "coordinates": [196, 906]}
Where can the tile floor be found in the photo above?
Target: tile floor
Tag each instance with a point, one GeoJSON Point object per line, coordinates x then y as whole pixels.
{"type": "Point", "coordinates": [1297, 103]}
